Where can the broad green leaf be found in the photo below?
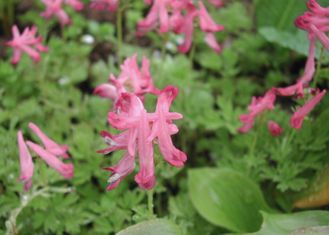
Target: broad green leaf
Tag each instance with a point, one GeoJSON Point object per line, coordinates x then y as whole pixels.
{"type": "Point", "coordinates": [285, 224]}
{"type": "Point", "coordinates": [317, 230]}
{"type": "Point", "coordinates": [152, 227]}
{"type": "Point", "coordinates": [226, 198]}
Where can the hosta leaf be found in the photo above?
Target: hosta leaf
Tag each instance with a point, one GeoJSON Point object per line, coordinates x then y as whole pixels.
{"type": "Point", "coordinates": [152, 227]}
{"type": "Point", "coordinates": [226, 198]}
{"type": "Point", "coordinates": [285, 224]}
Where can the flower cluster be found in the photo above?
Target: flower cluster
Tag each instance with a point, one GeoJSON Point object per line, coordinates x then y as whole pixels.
{"type": "Point", "coordinates": [179, 17]}
{"type": "Point", "coordinates": [140, 129]}
{"type": "Point", "coordinates": [26, 42]}
{"type": "Point", "coordinates": [131, 79]}
{"type": "Point", "coordinates": [54, 8]}
{"type": "Point", "coordinates": [316, 23]}
{"type": "Point", "coordinates": [50, 153]}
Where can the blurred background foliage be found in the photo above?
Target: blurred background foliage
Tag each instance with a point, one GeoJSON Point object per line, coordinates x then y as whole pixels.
{"type": "Point", "coordinates": [231, 183]}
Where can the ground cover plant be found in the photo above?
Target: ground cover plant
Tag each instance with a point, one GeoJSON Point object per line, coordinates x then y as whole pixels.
{"type": "Point", "coordinates": [164, 117]}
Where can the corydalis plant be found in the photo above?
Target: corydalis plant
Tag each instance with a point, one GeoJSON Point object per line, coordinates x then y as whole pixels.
{"type": "Point", "coordinates": [316, 23]}
{"type": "Point", "coordinates": [140, 129]}
{"type": "Point", "coordinates": [110, 5]}
{"type": "Point", "coordinates": [179, 17]}
{"type": "Point", "coordinates": [50, 153]}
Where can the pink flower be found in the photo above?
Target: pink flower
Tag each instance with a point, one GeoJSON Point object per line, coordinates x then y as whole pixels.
{"type": "Point", "coordinates": [75, 4]}
{"type": "Point", "coordinates": [51, 146]}
{"type": "Point", "coordinates": [131, 79]}
{"type": "Point", "coordinates": [297, 118]}
{"type": "Point", "coordinates": [316, 22]}
{"type": "Point", "coordinates": [65, 169]}
{"type": "Point", "coordinates": [26, 162]}
{"type": "Point", "coordinates": [274, 128]}
{"type": "Point", "coordinates": [207, 25]}
{"type": "Point", "coordinates": [158, 12]}
{"type": "Point", "coordinates": [26, 42]}
{"type": "Point", "coordinates": [257, 106]}
{"type": "Point", "coordinates": [140, 131]}
{"type": "Point", "coordinates": [125, 166]}
{"type": "Point", "coordinates": [162, 128]}
{"type": "Point", "coordinates": [110, 5]}
{"type": "Point", "coordinates": [55, 8]}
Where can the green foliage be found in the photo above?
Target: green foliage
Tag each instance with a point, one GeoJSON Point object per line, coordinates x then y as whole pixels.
{"type": "Point", "coordinates": [296, 223]}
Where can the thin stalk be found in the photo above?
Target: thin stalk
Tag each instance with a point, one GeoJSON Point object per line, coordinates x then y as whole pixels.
{"type": "Point", "coordinates": [192, 52]}
{"type": "Point", "coordinates": [11, 11]}
{"type": "Point", "coordinates": [119, 33]}
{"type": "Point", "coordinates": [150, 204]}
{"type": "Point", "coordinates": [318, 67]}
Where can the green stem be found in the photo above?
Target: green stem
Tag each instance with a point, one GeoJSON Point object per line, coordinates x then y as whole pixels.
{"type": "Point", "coordinates": [150, 204]}
{"type": "Point", "coordinates": [192, 52]}
{"type": "Point", "coordinates": [119, 33]}
{"type": "Point", "coordinates": [11, 12]}
{"type": "Point", "coordinates": [318, 67]}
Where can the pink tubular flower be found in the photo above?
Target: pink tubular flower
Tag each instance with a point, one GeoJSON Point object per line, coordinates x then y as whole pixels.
{"type": "Point", "coordinates": [55, 8]}
{"type": "Point", "coordinates": [257, 106]}
{"type": "Point", "coordinates": [66, 170]}
{"type": "Point", "coordinates": [162, 127]}
{"type": "Point", "coordinates": [26, 42]}
{"type": "Point", "coordinates": [26, 162]}
{"type": "Point", "coordinates": [51, 146]}
{"type": "Point", "coordinates": [125, 166]}
{"type": "Point", "coordinates": [110, 5]}
{"type": "Point", "coordinates": [297, 118]}
{"type": "Point", "coordinates": [75, 4]}
{"type": "Point", "coordinates": [131, 79]}
{"type": "Point", "coordinates": [316, 22]}
{"type": "Point", "coordinates": [158, 12]}
{"type": "Point", "coordinates": [274, 128]}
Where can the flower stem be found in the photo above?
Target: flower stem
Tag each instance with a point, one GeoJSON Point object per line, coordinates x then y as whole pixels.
{"type": "Point", "coordinates": [119, 33]}
{"type": "Point", "coordinates": [150, 204]}
{"type": "Point", "coordinates": [192, 52]}
{"type": "Point", "coordinates": [318, 68]}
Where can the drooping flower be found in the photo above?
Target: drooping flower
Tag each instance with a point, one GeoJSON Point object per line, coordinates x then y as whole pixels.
{"type": "Point", "coordinates": [54, 8]}
{"type": "Point", "coordinates": [65, 169]}
{"type": "Point", "coordinates": [297, 118]}
{"type": "Point", "coordinates": [26, 162]}
{"type": "Point", "coordinates": [50, 145]}
{"type": "Point", "coordinates": [162, 128]}
{"type": "Point", "coordinates": [26, 42]}
{"type": "Point", "coordinates": [274, 128]}
{"type": "Point", "coordinates": [257, 106]}
{"type": "Point", "coordinates": [140, 131]}
{"type": "Point", "coordinates": [131, 79]}
{"type": "Point", "coordinates": [110, 5]}
{"type": "Point", "coordinates": [315, 22]}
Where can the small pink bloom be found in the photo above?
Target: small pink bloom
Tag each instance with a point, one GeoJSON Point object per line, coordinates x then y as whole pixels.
{"type": "Point", "coordinates": [55, 8]}
{"type": "Point", "coordinates": [75, 4]}
{"type": "Point", "coordinates": [207, 24]}
{"type": "Point", "coordinates": [315, 7]}
{"type": "Point", "coordinates": [162, 129]}
{"type": "Point", "coordinates": [212, 42]}
{"type": "Point", "coordinates": [50, 145]}
{"type": "Point", "coordinates": [110, 5]}
{"type": "Point", "coordinates": [115, 142]}
{"type": "Point", "coordinates": [125, 166]}
{"type": "Point", "coordinates": [158, 12]}
{"type": "Point", "coordinates": [65, 169]}
{"type": "Point", "coordinates": [297, 118]}
{"type": "Point", "coordinates": [257, 106]}
{"type": "Point", "coordinates": [131, 79]}
{"type": "Point", "coordinates": [274, 128]}
{"type": "Point", "coordinates": [26, 42]}
{"type": "Point", "coordinates": [26, 162]}
{"type": "Point", "coordinates": [106, 91]}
